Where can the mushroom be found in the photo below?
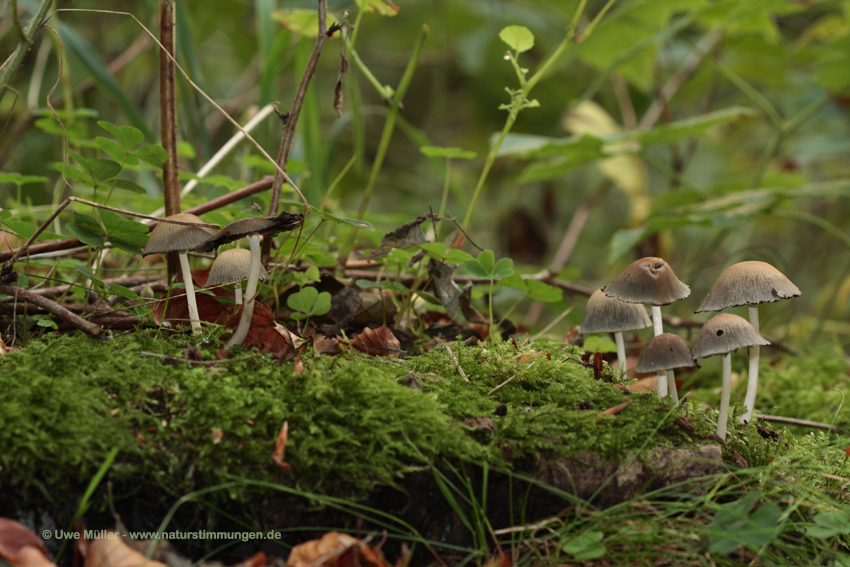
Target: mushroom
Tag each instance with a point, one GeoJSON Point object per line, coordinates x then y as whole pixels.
{"type": "Point", "coordinates": [252, 228]}
{"type": "Point", "coordinates": [232, 267]}
{"type": "Point", "coordinates": [665, 352]}
{"type": "Point", "coordinates": [723, 334]}
{"type": "Point", "coordinates": [650, 281]}
{"type": "Point", "coordinates": [606, 315]}
{"type": "Point", "coordinates": [749, 283]}
{"type": "Point", "coordinates": [171, 237]}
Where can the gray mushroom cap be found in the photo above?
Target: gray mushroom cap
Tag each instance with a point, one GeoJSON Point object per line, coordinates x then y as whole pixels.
{"type": "Point", "coordinates": [748, 283]}
{"type": "Point", "coordinates": [648, 281]}
{"type": "Point", "coordinates": [664, 352]}
{"type": "Point", "coordinates": [170, 237]}
{"type": "Point", "coordinates": [232, 266]}
{"type": "Point", "coordinates": [724, 333]}
{"type": "Point", "coordinates": [604, 314]}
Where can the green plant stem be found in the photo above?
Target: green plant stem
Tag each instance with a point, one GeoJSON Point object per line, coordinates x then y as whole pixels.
{"type": "Point", "coordinates": [17, 22]}
{"type": "Point", "coordinates": [387, 134]}
{"type": "Point", "coordinates": [381, 89]}
{"type": "Point", "coordinates": [12, 64]}
{"type": "Point", "coordinates": [445, 197]}
{"type": "Point", "coordinates": [589, 29]}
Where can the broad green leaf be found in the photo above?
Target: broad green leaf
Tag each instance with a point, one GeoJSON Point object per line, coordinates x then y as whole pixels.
{"type": "Point", "coordinates": [514, 281]}
{"type": "Point", "coordinates": [503, 268]}
{"type": "Point", "coordinates": [132, 243]}
{"type": "Point", "coordinates": [109, 127]}
{"type": "Point", "coordinates": [456, 256]}
{"type": "Point", "coordinates": [23, 281]}
{"type": "Point", "coordinates": [585, 547]}
{"type": "Point", "coordinates": [435, 250]}
{"type": "Point", "coordinates": [518, 38]}
{"type": "Point", "coordinates": [130, 186]}
{"type": "Point", "coordinates": [386, 284]}
{"type": "Point", "coordinates": [383, 7]}
{"type": "Point", "coordinates": [449, 153]}
{"type": "Point", "coordinates": [116, 223]}
{"type": "Point", "coordinates": [301, 21]}
{"type": "Point", "coordinates": [85, 235]}
{"type": "Point", "coordinates": [830, 524]}
{"type": "Point", "coordinates": [186, 150]}
{"type": "Point", "coordinates": [103, 169]}
{"type": "Point", "coordinates": [541, 291]}
{"type": "Point", "coordinates": [599, 344]}
{"type": "Point", "coordinates": [153, 155]}
{"type": "Point", "coordinates": [121, 291]}
{"type": "Point", "coordinates": [309, 302]}
{"type": "Point", "coordinates": [75, 130]}
{"type": "Point", "coordinates": [87, 221]}
{"type": "Point", "coordinates": [47, 322]}
{"type": "Point", "coordinates": [23, 229]}
{"type": "Point", "coordinates": [114, 150]}
{"type": "Point", "coordinates": [4, 214]}
{"type": "Point", "coordinates": [130, 137]}
{"type": "Point", "coordinates": [75, 174]}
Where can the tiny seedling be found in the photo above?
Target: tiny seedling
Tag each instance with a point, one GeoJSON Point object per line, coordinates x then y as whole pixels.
{"type": "Point", "coordinates": [308, 303]}
{"type": "Point", "coordinates": [486, 268]}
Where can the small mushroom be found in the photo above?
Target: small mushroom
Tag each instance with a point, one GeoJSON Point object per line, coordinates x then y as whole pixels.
{"type": "Point", "coordinates": [749, 283]}
{"type": "Point", "coordinates": [171, 237]}
{"type": "Point", "coordinates": [252, 228]}
{"type": "Point", "coordinates": [723, 334]}
{"type": "Point", "coordinates": [607, 315]}
{"type": "Point", "coordinates": [650, 281]}
{"type": "Point", "coordinates": [233, 267]}
{"type": "Point", "coordinates": [665, 352]}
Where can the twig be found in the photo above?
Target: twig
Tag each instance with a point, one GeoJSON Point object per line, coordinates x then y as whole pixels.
{"type": "Point", "coordinates": [455, 362]}
{"type": "Point", "coordinates": [201, 362]}
{"type": "Point", "coordinates": [50, 306]}
{"type": "Point", "coordinates": [292, 120]}
{"type": "Point", "coordinates": [800, 422]}
{"type": "Point", "coordinates": [511, 378]}
{"type": "Point", "coordinates": [218, 203]}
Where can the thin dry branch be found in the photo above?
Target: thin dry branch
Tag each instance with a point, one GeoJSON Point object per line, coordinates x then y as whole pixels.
{"type": "Point", "coordinates": [50, 306]}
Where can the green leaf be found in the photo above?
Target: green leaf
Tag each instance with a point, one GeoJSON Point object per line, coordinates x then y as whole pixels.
{"type": "Point", "coordinates": [85, 235]}
{"type": "Point", "coordinates": [19, 179]}
{"type": "Point", "coordinates": [487, 260]}
{"type": "Point", "coordinates": [309, 302]}
{"type": "Point", "coordinates": [154, 155]}
{"type": "Point", "coordinates": [830, 524]}
{"type": "Point", "coordinates": [116, 223]}
{"type": "Point", "coordinates": [47, 322]}
{"type": "Point", "coordinates": [186, 150]}
{"type": "Point", "coordinates": [301, 21]}
{"type": "Point", "coordinates": [23, 229]}
{"type": "Point", "coordinates": [109, 127]}
{"type": "Point", "coordinates": [456, 256]}
{"type": "Point", "coordinates": [586, 546]}
{"type": "Point", "coordinates": [121, 291]}
{"type": "Point", "coordinates": [435, 250]}
{"type": "Point", "coordinates": [114, 150]}
{"type": "Point", "coordinates": [132, 243]}
{"type": "Point", "coordinates": [503, 268]}
{"type": "Point", "coordinates": [386, 284]}
{"type": "Point", "coordinates": [543, 292]}
{"type": "Point", "coordinates": [599, 344]}
{"type": "Point", "coordinates": [83, 269]}
{"type": "Point", "coordinates": [448, 153]}
{"type": "Point", "coordinates": [383, 7]}
{"type": "Point", "coordinates": [87, 221]}
{"type": "Point", "coordinates": [130, 137]}
{"type": "Point", "coordinates": [518, 38]}
{"type": "Point", "coordinates": [130, 186]}
{"type": "Point", "coordinates": [103, 169]}
{"type": "Point", "coordinates": [353, 222]}
{"type": "Point", "coordinates": [75, 174]}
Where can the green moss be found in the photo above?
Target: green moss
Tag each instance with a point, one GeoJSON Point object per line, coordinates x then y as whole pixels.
{"type": "Point", "coordinates": [68, 400]}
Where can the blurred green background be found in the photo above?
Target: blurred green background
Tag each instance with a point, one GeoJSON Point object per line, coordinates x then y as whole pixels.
{"type": "Point", "coordinates": [747, 160]}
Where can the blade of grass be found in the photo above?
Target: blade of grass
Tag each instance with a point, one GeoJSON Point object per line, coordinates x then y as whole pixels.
{"type": "Point", "coordinates": [23, 46]}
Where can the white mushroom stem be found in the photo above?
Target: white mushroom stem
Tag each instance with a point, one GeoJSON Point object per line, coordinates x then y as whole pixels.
{"type": "Point", "coordinates": [621, 351]}
{"type": "Point", "coordinates": [753, 374]}
{"type": "Point", "coordinates": [662, 375]}
{"type": "Point", "coordinates": [725, 394]}
{"type": "Point", "coordinates": [194, 318]}
{"type": "Point", "coordinates": [237, 289]}
{"type": "Point", "coordinates": [250, 291]}
{"type": "Point", "coordinates": [671, 386]}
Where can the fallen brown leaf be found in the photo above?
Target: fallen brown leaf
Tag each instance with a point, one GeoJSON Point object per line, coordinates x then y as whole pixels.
{"type": "Point", "coordinates": [209, 308]}
{"type": "Point", "coordinates": [115, 553]}
{"type": "Point", "coordinates": [335, 549]}
{"type": "Point", "coordinates": [19, 546]}
{"type": "Point", "coordinates": [257, 560]}
{"type": "Point", "coordinates": [280, 447]}
{"type": "Point", "coordinates": [380, 342]}
{"type": "Point", "coordinates": [266, 334]}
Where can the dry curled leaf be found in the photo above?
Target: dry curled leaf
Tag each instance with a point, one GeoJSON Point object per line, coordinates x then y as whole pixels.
{"type": "Point", "coordinates": [19, 546]}
{"type": "Point", "coordinates": [335, 549]}
{"type": "Point", "coordinates": [266, 334]}
{"type": "Point", "coordinates": [174, 309]}
{"type": "Point", "coordinates": [380, 342]}
{"type": "Point", "coordinates": [404, 236]}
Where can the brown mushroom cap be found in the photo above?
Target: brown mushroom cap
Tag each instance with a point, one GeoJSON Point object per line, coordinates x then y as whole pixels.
{"type": "Point", "coordinates": [170, 237]}
{"type": "Point", "coordinates": [232, 266]}
{"type": "Point", "coordinates": [724, 333]}
{"type": "Point", "coordinates": [253, 225]}
{"type": "Point", "coordinates": [665, 352]}
{"type": "Point", "coordinates": [748, 283]}
{"type": "Point", "coordinates": [604, 314]}
{"type": "Point", "coordinates": [649, 281]}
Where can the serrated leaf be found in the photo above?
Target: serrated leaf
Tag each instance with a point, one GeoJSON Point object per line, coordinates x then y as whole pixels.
{"type": "Point", "coordinates": [85, 235]}
{"type": "Point", "coordinates": [518, 38]}
{"type": "Point", "coordinates": [448, 153]}
{"type": "Point", "coordinates": [130, 186]}
{"type": "Point", "coordinates": [153, 155]}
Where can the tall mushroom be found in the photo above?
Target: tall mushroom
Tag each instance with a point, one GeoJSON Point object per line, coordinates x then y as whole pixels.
{"type": "Point", "coordinates": [233, 267]}
{"type": "Point", "coordinates": [723, 334]}
{"type": "Point", "coordinates": [665, 352]}
{"type": "Point", "coordinates": [749, 283]}
{"type": "Point", "coordinates": [171, 237]}
{"type": "Point", "coordinates": [252, 228]}
{"type": "Point", "coordinates": [650, 281]}
{"type": "Point", "coordinates": [607, 315]}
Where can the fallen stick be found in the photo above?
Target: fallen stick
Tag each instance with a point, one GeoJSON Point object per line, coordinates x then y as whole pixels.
{"type": "Point", "coordinates": [50, 306]}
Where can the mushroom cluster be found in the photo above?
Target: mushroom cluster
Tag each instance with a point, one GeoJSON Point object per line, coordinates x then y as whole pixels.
{"type": "Point", "coordinates": [652, 281]}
